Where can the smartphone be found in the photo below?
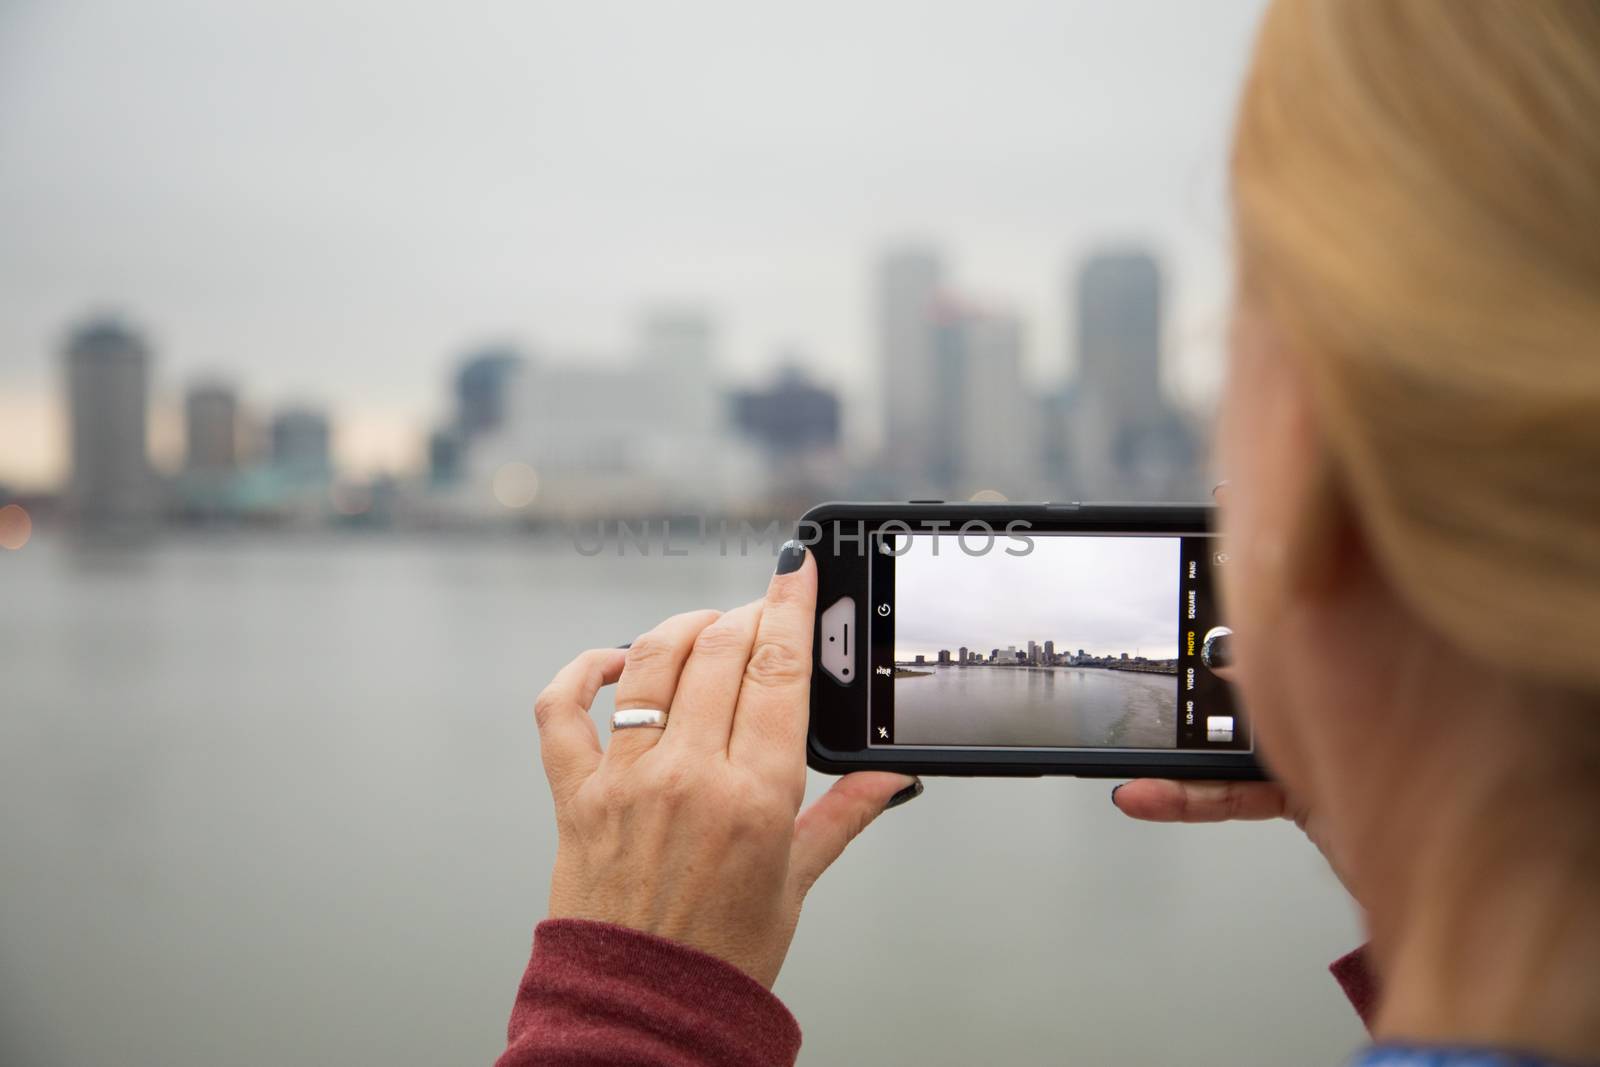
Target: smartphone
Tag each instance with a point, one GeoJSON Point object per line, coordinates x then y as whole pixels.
{"type": "Point", "coordinates": [1022, 639]}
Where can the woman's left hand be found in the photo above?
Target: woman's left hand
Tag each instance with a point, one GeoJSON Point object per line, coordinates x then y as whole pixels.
{"type": "Point", "coordinates": [694, 832]}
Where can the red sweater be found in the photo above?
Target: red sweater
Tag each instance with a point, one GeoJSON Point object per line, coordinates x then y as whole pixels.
{"type": "Point", "coordinates": [596, 994]}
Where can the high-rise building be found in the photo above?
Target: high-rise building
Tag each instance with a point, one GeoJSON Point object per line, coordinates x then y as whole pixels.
{"type": "Point", "coordinates": [961, 656]}
{"type": "Point", "coordinates": [791, 416]}
{"type": "Point", "coordinates": [1049, 651]}
{"type": "Point", "coordinates": [677, 354]}
{"type": "Point", "coordinates": [646, 437]}
{"type": "Point", "coordinates": [986, 436]}
{"type": "Point", "coordinates": [944, 657]}
{"type": "Point", "coordinates": [108, 385]}
{"type": "Point", "coordinates": [1119, 332]}
{"type": "Point", "coordinates": [909, 283]}
{"type": "Point", "coordinates": [483, 387]}
{"type": "Point", "coordinates": [301, 446]}
{"type": "Point", "coordinates": [211, 429]}
{"type": "Point", "coordinates": [444, 458]}
{"type": "Point", "coordinates": [1124, 439]}
{"type": "Point", "coordinates": [1000, 446]}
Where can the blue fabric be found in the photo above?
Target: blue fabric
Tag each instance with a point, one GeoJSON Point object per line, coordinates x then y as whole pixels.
{"type": "Point", "coordinates": [1417, 1056]}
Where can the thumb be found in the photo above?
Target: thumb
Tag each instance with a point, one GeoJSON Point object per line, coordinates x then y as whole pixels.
{"type": "Point", "coordinates": [824, 829]}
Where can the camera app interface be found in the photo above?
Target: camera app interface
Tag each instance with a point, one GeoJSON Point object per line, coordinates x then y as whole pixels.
{"type": "Point", "coordinates": [1064, 641]}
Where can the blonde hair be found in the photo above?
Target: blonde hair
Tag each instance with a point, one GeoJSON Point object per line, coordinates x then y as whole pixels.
{"type": "Point", "coordinates": [1417, 208]}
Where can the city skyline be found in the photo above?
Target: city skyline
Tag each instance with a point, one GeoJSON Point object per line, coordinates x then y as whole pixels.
{"type": "Point", "coordinates": [665, 432]}
{"type": "Point", "coordinates": [251, 234]}
{"type": "Point", "coordinates": [1101, 594]}
{"type": "Point", "coordinates": [985, 652]}
{"type": "Point", "coordinates": [983, 422]}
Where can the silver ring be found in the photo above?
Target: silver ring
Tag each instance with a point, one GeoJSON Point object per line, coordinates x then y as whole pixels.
{"type": "Point", "coordinates": [628, 718]}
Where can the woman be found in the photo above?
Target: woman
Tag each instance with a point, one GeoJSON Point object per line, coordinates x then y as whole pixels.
{"type": "Point", "coordinates": [1412, 432]}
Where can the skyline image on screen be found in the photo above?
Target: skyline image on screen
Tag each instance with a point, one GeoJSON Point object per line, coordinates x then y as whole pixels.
{"type": "Point", "coordinates": [1074, 644]}
{"type": "Point", "coordinates": [1106, 595]}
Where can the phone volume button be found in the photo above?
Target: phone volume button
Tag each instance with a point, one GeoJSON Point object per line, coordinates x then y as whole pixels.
{"type": "Point", "coordinates": [924, 501]}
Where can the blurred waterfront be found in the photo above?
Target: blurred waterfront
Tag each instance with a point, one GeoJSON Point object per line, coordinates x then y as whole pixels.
{"type": "Point", "coordinates": [277, 800]}
{"type": "Point", "coordinates": [399, 278]}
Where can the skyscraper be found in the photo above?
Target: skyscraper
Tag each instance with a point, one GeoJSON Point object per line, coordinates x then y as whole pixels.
{"type": "Point", "coordinates": [108, 384]}
{"type": "Point", "coordinates": [945, 382]}
{"type": "Point", "coordinates": [995, 421]}
{"type": "Point", "coordinates": [645, 438]}
{"type": "Point", "coordinates": [211, 428]}
{"type": "Point", "coordinates": [300, 446]}
{"type": "Point", "coordinates": [909, 281]}
{"type": "Point", "coordinates": [1119, 332]}
{"type": "Point", "coordinates": [791, 416]}
{"type": "Point", "coordinates": [677, 353]}
{"type": "Point", "coordinates": [483, 384]}
{"type": "Point", "coordinates": [444, 458]}
{"type": "Point", "coordinates": [1124, 439]}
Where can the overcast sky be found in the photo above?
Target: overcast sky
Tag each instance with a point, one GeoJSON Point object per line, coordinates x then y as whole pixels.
{"type": "Point", "coordinates": [1105, 595]}
{"type": "Point", "coordinates": [330, 200]}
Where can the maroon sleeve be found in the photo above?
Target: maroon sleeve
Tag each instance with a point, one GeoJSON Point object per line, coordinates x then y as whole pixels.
{"type": "Point", "coordinates": [601, 994]}
{"type": "Point", "coordinates": [1354, 974]}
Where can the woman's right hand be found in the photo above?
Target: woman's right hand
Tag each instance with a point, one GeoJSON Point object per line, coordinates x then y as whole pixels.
{"type": "Point", "coordinates": [693, 831]}
{"type": "Point", "coordinates": [1166, 800]}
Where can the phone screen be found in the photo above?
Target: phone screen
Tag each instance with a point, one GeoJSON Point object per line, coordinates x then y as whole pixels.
{"type": "Point", "coordinates": [1049, 641]}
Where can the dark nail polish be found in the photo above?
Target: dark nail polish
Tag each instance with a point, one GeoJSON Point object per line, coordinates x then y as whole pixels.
{"type": "Point", "coordinates": [910, 792]}
{"type": "Point", "coordinates": [790, 556]}
{"type": "Point", "coordinates": [1114, 791]}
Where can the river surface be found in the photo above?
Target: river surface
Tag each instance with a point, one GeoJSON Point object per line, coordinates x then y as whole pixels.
{"type": "Point", "coordinates": [1067, 707]}
{"type": "Point", "coordinates": [278, 801]}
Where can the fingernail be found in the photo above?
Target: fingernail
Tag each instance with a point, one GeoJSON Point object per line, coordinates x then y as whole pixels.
{"type": "Point", "coordinates": [628, 645]}
{"type": "Point", "coordinates": [790, 556]}
{"type": "Point", "coordinates": [910, 792]}
{"type": "Point", "coordinates": [1114, 791]}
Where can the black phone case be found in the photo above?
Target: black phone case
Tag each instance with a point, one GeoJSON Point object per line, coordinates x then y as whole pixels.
{"type": "Point", "coordinates": [835, 581]}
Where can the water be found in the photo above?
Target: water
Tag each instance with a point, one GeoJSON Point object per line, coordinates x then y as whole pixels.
{"type": "Point", "coordinates": [279, 801]}
{"type": "Point", "coordinates": [1068, 707]}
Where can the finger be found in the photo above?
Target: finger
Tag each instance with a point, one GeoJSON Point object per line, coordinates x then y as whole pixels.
{"type": "Point", "coordinates": [650, 677]}
{"type": "Point", "coordinates": [769, 725]}
{"type": "Point", "coordinates": [568, 744]}
{"type": "Point", "coordinates": [708, 688]}
{"type": "Point", "coordinates": [1163, 800]}
{"type": "Point", "coordinates": [824, 829]}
